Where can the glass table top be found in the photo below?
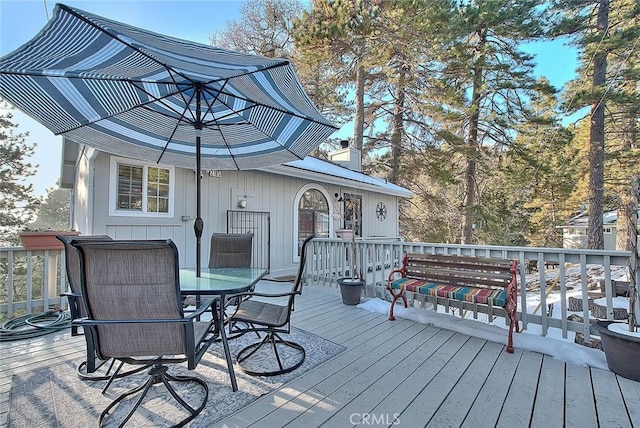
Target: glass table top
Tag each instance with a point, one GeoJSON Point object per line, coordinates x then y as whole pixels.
{"type": "Point", "coordinates": [214, 281]}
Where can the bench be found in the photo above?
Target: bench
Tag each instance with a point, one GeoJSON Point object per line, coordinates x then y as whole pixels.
{"type": "Point", "coordinates": [478, 284]}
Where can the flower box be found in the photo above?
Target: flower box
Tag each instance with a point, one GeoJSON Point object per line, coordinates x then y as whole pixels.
{"type": "Point", "coordinates": [45, 240]}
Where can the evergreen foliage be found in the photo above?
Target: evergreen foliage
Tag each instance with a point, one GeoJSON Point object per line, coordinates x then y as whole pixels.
{"type": "Point", "coordinates": [445, 102]}
{"type": "Point", "coordinates": [54, 211]}
{"type": "Point", "coordinates": [18, 203]}
{"type": "Point", "coordinates": [608, 35]}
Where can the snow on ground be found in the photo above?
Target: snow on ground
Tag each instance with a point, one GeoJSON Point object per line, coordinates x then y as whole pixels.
{"type": "Point", "coordinates": [560, 349]}
{"type": "Point", "coordinates": [617, 302]}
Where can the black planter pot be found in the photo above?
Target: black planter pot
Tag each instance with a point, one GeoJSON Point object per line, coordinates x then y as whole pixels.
{"type": "Point", "coordinates": [622, 351]}
{"type": "Point", "coordinates": [351, 290]}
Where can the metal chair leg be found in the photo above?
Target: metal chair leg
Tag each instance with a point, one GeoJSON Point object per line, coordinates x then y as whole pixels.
{"type": "Point", "coordinates": [158, 374]}
{"type": "Point", "coordinates": [274, 340]}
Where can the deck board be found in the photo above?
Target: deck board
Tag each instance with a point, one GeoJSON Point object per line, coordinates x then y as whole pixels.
{"type": "Point", "coordinates": [458, 403]}
{"type": "Point", "coordinates": [549, 405]}
{"type": "Point", "coordinates": [488, 403]}
{"type": "Point", "coordinates": [519, 402]}
{"type": "Point", "coordinates": [319, 384]}
{"type": "Point", "coordinates": [610, 405]}
{"type": "Point", "coordinates": [579, 405]}
{"type": "Point", "coordinates": [631, 393]}
{"type": "Point", "coordinates": [430, 398]}
{"type": "Point", "coordinates": [349, 382]}
{"type": "Point", "coordinates": [422, 375]}
{"type": "Point", "coordinates": [403, 396]}
{"type": "Point", "coordinates": [389, 375]}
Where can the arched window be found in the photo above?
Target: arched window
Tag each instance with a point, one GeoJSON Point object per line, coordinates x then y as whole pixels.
{"type": "Point", "coordinates": [312, 215]}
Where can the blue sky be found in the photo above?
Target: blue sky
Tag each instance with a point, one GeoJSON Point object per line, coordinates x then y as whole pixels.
{"type": "Point", "coordinates": [21, 20]}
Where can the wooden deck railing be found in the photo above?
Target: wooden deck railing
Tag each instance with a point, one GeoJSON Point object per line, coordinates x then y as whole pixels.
{"type": "Point", "coordinates": [376, 258]}
{"type": "Point", "coordinates": [31, 281]}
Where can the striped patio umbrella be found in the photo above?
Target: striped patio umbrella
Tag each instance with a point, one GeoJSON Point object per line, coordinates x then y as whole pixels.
{"type": "Point", "coordinates": [135, 93]}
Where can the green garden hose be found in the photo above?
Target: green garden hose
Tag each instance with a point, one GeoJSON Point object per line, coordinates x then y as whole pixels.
{"type": "Point", "coordinates": [28, 326]}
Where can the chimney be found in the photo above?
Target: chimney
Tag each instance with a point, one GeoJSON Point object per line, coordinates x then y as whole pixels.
{"type": "Point", "coordinates": [347, 157]}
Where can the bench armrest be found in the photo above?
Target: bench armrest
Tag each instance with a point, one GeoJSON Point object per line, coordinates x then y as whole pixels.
{"type": "Point", "coordinates": [402, 271]}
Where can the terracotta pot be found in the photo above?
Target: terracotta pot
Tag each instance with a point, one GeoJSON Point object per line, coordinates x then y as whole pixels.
{"type": "Point", "coordinates": [351, 290]}
{"type": "Point", "coordinates": [44, 240]}
{"type": "Point", "coordinates": [622, 351]}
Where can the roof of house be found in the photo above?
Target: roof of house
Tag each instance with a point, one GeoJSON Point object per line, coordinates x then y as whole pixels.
{"type": "Point", "coordinates": [329, 172]}
{"type": "Point", "coordinates": [582, 219]}
{"type": "Point", "coordinates": [310, 168]}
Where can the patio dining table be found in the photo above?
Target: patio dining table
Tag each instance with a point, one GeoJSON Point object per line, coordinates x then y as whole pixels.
{"type": "Point", "coordinates": [220, 282]}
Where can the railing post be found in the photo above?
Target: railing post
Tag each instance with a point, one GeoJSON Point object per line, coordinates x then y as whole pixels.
{"type": "Point", "coordinates": [29, 282]}
{"type": "Point", "coordinates": [563, 292]}
{"type": "Point", "coordinates": [586, 330]}
{"type": "Point", "coordinates": [10, 284]}
{"type": "Point", "coordinates": [63, 279]}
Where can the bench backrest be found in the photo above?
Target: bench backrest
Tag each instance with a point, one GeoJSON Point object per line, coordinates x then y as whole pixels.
{"type": "Point", "coordinates": [461, 270]}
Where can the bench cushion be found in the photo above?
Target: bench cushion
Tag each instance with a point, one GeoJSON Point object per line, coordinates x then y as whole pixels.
{"type": "Point", "coordinates": [468, 294]}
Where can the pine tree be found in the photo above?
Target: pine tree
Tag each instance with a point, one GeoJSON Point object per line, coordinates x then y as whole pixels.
{"type": "Point", "coordinates": [539, 172]}
{"type": "Point", "coordinates": [485, 84]}
{"type": "Point", "coordinates": [54, 211]}
{"type": "Point", "coordinates": [17, 202]}
{"type": "Point", "coordinates": [408, 41]}
{"type": "Point", "coordinates": [344, 31]}
{"type": "Point", "coordinates": [608, 33]}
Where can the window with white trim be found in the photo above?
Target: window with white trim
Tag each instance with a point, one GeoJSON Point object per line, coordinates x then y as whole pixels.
{"type": "Point", "coordinates": [311, 216]}
{"type": "Point", "coordinates": [140, 189]}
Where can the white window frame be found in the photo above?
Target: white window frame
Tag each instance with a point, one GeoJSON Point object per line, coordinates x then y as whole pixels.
{"type": "Point", "coordinates": [296, 203]}
{"type": "Point", "coordinates": [113, 188]}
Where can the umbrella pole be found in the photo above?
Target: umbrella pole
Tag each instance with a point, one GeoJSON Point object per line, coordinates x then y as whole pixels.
{"type": "Point", "coordinates": [198, 224]}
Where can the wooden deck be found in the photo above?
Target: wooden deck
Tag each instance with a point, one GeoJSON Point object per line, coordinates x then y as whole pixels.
{"type": "Point", "coordinates": [401, 374]}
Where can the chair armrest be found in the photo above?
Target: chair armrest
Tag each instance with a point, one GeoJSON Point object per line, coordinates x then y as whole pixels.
{"type": "Point", "coordinates": [204, 306]}
{"type": "Point", "coordinates": [401, 271]}
{"type": "Point", "coordinates": [256, 294]}
{"type": "Point", "coordinates": [90, 322]}
{"type": "Point", "coordinates": [71, 294]}
{"type": "Point", "coordinates": [186, 320]}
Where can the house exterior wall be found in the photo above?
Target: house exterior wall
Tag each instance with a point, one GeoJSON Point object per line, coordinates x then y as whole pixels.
{"type": "Point", "coordinates": [576, 237]}
{"type": "Point", "coordinates": [263, 191]}
{"type": "Point", "coordinates": [82, 219]}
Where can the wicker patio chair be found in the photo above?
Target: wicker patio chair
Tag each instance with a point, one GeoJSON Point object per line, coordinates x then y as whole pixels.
{"type": "Point", "coordinates": [131, 290]}
{"type": "Point", "coordinates": [257, 312]}
{"type": "Point", "coordinates": [88, 369]}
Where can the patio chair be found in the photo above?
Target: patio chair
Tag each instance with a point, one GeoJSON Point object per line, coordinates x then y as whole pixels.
{"type": "Point", "coordinates": [257, 312]}
{"type": "Point", "coordinates": [230, 250]}
{"type": "Point", "coordinates": [72, 267]}
{"type": "Point", "coordinates": [86, 370]}
{"type": "Point", "coordinates": [131, 290]}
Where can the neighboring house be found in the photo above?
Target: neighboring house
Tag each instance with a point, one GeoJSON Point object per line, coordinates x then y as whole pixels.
{"type": "Point", "coordinates": [574, 231]}
{"type": "Point", "coordinates": [281, 205]}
